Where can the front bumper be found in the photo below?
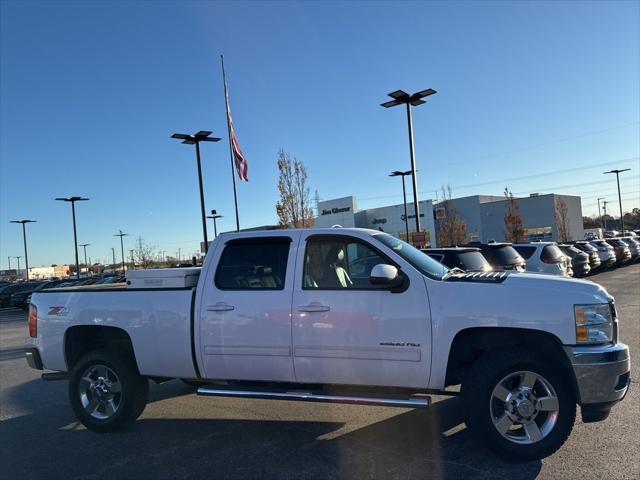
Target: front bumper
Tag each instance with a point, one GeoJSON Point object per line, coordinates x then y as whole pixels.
{"type": "Point", "coordinates": [601, 372]}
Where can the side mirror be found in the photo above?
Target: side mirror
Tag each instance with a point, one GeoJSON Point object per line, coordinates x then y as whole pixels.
{"type": "Point", "coordinates": [386, 276]}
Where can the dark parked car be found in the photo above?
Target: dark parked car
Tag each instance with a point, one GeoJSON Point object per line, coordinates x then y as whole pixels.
{"type": "Point", "coordinates": [501, 256]}
{"type": "Point", "coordinates": [22, 298]}
{"type": "Point", "coordinates": [579, 260]}
{"type": "Point", "coordinates": [469, 259]}
{"type": "Point", "coordinates": [594, 258]}
{"type": "Point", "coordinates": [7, 291]}
{"type": "Point", "coordinates": [623, 253]}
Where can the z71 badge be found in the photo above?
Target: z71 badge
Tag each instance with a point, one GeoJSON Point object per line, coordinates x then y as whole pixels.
{"type": "Point", "coordinates": [58, 311]}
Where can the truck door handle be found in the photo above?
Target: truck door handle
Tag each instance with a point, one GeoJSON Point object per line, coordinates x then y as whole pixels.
{"type": "Point", "coordinates": [220, 307]}
{"type": "Point", "coordinates": [314, 307]}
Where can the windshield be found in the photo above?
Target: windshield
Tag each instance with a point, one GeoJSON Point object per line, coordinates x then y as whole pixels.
{"type": "Point", "coordinates": [424, 263]}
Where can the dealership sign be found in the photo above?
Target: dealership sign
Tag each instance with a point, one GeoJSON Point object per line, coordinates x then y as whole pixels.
{"type": "Point", "coordinates": [335, 210]}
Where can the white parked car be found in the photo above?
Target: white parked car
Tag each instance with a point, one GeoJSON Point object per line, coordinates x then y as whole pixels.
{"type": "Point", "coordinates": [545, 257]}
{"type": "Point", "coordinates": [318, 314]}
{"type": "Point", "coordinates": [606, 253]}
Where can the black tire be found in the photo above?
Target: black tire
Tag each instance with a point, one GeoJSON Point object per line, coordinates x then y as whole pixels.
{"type": "Point", "coordinates": [477, 397]}
{"type": "Point", "coordinates": [120, 369]}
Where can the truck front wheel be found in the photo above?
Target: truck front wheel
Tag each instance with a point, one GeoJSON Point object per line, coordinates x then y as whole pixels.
{"type": "Point", "coordinates": [106, 391]}
{"type": "Point", "coordinates": [518, 405]}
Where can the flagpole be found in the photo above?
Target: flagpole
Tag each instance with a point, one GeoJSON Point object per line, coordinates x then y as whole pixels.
{"type": "Point", "coordinates": [233, 175]}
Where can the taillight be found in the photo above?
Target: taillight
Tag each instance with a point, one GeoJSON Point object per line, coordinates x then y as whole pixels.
{"type": "Point", "coordinates": [33, 321]}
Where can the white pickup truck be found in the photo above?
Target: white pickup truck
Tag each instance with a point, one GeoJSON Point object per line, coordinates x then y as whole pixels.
{"type": "Point", "coordinates": [341, 315]}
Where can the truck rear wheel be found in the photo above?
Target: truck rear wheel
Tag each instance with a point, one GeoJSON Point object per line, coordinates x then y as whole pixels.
{"type": "Point", "coordinates": [518, 405]}
{"type": "Point", "coordinates": [106, 390]}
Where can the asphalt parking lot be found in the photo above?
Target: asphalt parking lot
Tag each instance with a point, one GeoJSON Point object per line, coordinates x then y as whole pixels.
{"type": "Point", "coordinates": [180, 435]}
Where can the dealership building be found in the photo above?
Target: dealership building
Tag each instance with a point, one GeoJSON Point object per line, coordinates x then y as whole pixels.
{"type": "Point", "coordinates": [483, 215]}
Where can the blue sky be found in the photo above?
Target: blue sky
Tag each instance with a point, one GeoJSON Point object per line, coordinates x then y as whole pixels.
{"type": "Point", "coordinates": [90, 93]}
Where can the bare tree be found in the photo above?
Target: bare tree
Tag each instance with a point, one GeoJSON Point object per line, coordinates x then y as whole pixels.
{"type": "Point", "coordinates": [144, 254]}
{"type": "Point", "coordinates": [562, 220]}
{"type": "Point", "coordinates": [293, 208]}
{"type": "Point", "coordinates": [513, 229]}
{"type": "Point", "coordinates": [452, 230]}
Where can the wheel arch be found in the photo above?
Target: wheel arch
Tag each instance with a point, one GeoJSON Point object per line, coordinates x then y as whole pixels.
{"type": "Point", "coordinates": [471, 343]}
{"type": "Point", "coordinates": [82, 339]}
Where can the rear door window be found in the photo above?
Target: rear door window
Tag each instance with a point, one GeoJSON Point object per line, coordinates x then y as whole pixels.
{"type": "Point", "coordinates": [551, 253]}
{"type": "Point", "coordinates": [473, 261]}
{"type": "Point", "coordinates": [505, 255]}
{"type": "Point", "coordinates": [253, 265]}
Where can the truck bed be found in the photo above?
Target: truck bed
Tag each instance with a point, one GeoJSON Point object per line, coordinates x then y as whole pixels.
{"type": "Point", "coordinates": [158, 321]}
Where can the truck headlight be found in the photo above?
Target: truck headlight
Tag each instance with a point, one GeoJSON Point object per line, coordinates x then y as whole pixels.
{"type": "Point", "coordinates": [594, 323]}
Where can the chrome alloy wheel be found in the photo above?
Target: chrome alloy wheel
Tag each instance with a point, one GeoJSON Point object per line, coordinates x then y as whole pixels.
{"type": "Point", "coordinates": [100, 392]}
{"type": "Point", "coordinates": [524, 407]}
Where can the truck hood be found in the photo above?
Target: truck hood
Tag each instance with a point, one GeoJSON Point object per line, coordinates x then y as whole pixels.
{"type": "Point", "coordinates": [516, 300]}
{"type": "Point", "coordinates": [584, 289]}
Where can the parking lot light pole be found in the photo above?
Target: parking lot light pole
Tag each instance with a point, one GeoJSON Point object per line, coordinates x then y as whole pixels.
{"type": "Point", "coordinates": [201, 136]}
{"type": "Point", "coordinates": [401, 97]}
{"type": "Point", "coordinates": [84, 246]}
{"type": "Point", "coordinates": [18, 265]}
{"type": "Point", "coordinates": [73, 201]}
{"type": "Point", "coordinates": [398, 173]}
{"type": "Point", "coordinates": [121, 246]}
{"type": "Point", "coordinates": [113, 255]}
{"type": "Point", "coordinates": [24, 239]}
{"type": "Point", "coordinates": [618, 172]}
{"type": "Point", "coordinates": [214, 215]}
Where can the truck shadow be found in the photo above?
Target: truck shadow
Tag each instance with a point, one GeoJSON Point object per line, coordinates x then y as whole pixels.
{"type": "Point", "coordinates": [247, 443]}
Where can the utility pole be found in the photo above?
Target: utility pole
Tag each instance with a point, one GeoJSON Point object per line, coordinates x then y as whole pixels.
{"type": "Point", "coordinates": [18, 265]}
{"type": "Point", "coordinates": [84, 246]}
{"type": "Point", "coordinates": [604, 207]}
{"type": "Point", "coordinates": [9, 258]}
{"type": "Point", "coordinates": [599, 212]}
{"type": "Point", "coordinates": [121, 246]}
{"type": "Point", "coordinates": [113, 253]}
{"type": "Point", "coordinates": [618, 172]}
{"type": "Point", "coordinates": [133, 264]}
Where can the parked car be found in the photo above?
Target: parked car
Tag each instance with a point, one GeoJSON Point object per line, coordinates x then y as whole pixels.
{"type": "Point", "coordinates": [501, 256]}
{"type": "Point", "coordinates": [634, 247]}
{"type": "Point", "coordinates": [579, 260]}
{"type": "Point", "coordinates": [273, 313]}
{"type": "Point", "coordinates": [23, 299]}
{"type": "Point", "coordinates": [6, 292]}
{"type": "Point", "coordinates": [544, 257]}
{"type": "Point", "coordinates": [623, 253]}
{"type": "Point", "coordinates": [469, 259]}
{"type": "Point", "coordinates": [606, 253]}
{"type": "Point", "coordinates": [19, 298]}
{"type": "Point", "coordinates": [594, 258]}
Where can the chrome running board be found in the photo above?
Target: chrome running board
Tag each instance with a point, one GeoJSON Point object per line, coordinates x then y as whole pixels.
{"type": "Point", "coordinates": [422, 401]}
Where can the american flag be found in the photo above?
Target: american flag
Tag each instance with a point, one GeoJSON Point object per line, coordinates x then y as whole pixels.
{"type": "Point", "coordinates": [242, 167]}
